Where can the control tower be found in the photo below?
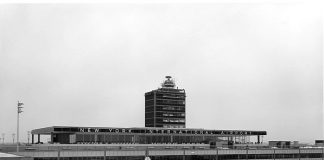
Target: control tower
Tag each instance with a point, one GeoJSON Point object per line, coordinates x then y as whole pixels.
{"type": "Point", "coordinates": [166, 107]}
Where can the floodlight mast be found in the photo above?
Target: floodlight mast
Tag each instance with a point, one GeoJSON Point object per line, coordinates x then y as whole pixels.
{"type": "Point", "coordinates": [3, 136]}
{"type": "Point", "coordinates": [18, 112]}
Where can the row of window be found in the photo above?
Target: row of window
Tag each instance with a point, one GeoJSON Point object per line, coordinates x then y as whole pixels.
{"type": "Point", "coordinates": [141, 139]}
{"type": "Point", "coordinates": [173, 126]}
{"type": "Point", "coordinates": [165, 114]}
{"type": "Point", "coordinates": [166, 108]}
{"type": "Point", "coordinates": [165, 102]}
{"type": "Point", "coordinates": [170, 94]}
{"type": "Point", "coordinates": [149, 102]}
{"type": "Point", "coordinates": [92, 158]}
{"type": "Point", "coordinates": [159, 115]}
{"type": "Point", "coordinates": [271, 156]}
{"type": "Point", "coordinates": [174, 114]}
{"type": "Point", "coordinates": [177, 97]}
{"type": "Point", "coordinates": [173, 108]}
{"type": "Point", "coordinates": [149, 109]}
{"type": "Point", "coordinates": [164, 95]}
{"type": "Point", "coordinates": [149, 115]}
{"type": "Point", "coordinates": [170, 102]}
{"type": "Point", "coordinates": [173, 120]}
{"type": "Point", "coordinates": [191, 157]}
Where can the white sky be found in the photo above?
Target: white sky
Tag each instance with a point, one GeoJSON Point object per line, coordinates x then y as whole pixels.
{"type": "Point", "coordinates": [254, 66]}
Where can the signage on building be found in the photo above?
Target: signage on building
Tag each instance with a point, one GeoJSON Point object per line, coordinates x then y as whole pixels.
{"type": "Point", "coordinates": [171, 131]}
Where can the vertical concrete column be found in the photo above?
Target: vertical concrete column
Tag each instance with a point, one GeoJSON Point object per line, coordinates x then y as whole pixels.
{"type": "Point", "coordinates": [38, 138]}
{"type": "Point", "coordinates": [52, 140]}
{"type": "Point", "coordinates": [134, 138]}
{"type": "Point", "coordinates": [58, 154]}
{"type": "Point", "coordinates": [146, 153]}
{"type": "Point", "coordinates": [32, 138]}
{"type": "Point", "coordinates": [216, 153]}
{"type": "Point", "coordinates": [247, 154]}
{"type": "Point", "coordinates": [105, 154]}
{"type": "Point", "coordinates": [299, 154]}
{"type": "Point", "coordinates": [258, 139]}
{"type": "Point", "coordinates": [154, 110]}
{"type": "Point", "coordinates": [184, 155]}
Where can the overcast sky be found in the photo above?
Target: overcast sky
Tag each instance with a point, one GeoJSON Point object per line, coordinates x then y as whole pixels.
{"type": "Point", "coordinates": [253, 66]}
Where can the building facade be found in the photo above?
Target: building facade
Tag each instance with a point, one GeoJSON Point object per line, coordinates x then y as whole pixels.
{"type": "Point", "coordinates": [166, 107]}
{"type": "Point", "coordinates": [108, 135]}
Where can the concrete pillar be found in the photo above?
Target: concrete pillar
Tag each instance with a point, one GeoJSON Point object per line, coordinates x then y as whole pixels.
{"type": "Point", "coordinates": [299, 154]}
{"type": "Point", "coordinates": [247, 154]}
{"type": "Point", "coordinates": [154, 110]}
{"type": "Point", "coordinates": [52, 140]}
{"type": "Point", "coordinates": [258, 139]}
{"type": "Point", "coordinates": [38, 138]}
{"type": "Point", "coordinates": [184, 155]}
{"type": "Point", "coordinates": [32, 138]}
{"type": "Point", "coordinates": [58, 154]}
{"type": "Point", "coordinates": [216, 154]}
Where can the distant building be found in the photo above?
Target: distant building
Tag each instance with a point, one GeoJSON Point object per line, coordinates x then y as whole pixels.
{"type": "Point", "coordinates": [280, 144]}
{"type": "Point", "coordinates": [319, 143]}
{"type": "Point", "coordinates": [166, 107]}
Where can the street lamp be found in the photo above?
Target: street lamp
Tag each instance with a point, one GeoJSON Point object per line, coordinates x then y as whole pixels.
{"type": "Point", "coordinates": [13, 138]}
{"type": "Point", "coordinates": [28, 135]}
{"type": "Point", "coordinates": [3, 136]}
{"type": "Point", "coordinates": [18, 112]}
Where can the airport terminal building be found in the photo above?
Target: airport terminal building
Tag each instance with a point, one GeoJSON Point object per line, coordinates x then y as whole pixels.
{"type": "Point", "coordinates": [164, 120]}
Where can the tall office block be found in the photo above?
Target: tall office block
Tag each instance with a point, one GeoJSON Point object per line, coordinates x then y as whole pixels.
{"type": "Point", "coordinates": [166, 107]}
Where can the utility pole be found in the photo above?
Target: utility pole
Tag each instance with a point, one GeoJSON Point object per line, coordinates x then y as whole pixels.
{"type": "Point", "coordinates": [18, 112]}
{"type": "Point", "coordinates": [28, 135]}
{"type": "Point", "coordinates": [3, 136]}
{"type": "Point", "coordinates": [13, 138]}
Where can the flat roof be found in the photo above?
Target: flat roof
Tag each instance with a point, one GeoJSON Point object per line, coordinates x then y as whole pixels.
{"type": "Point", "coordinates": [145, 130]}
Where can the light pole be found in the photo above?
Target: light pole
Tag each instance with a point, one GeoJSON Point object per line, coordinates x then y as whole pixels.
{"type": "Point", "coordinates": [13, 138]}
{"type": "Point", "coordinates": [28, 135]}
{"type": "Point", "coordinates": [18, 112]}
{"type": "Point", "coordinates": [3, 136]}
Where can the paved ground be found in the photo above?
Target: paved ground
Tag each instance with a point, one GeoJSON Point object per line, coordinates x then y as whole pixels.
{"type": "Point", "coordinates": [7, 155]}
